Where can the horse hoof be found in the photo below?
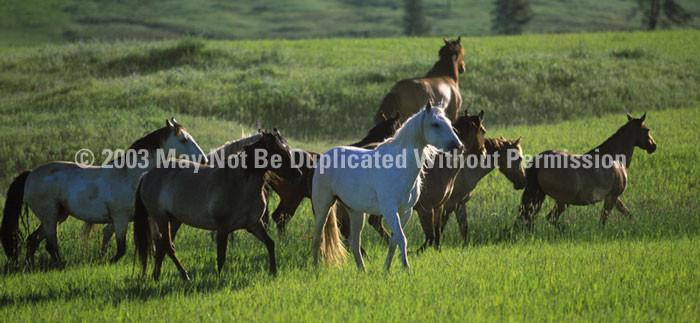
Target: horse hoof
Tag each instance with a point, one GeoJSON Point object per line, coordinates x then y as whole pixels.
{"type": "Point", "coordinates": [185, 276]}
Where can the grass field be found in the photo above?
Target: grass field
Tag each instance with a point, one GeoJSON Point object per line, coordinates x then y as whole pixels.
{"type": "Point", "coordinates": [40, 21]}
{"type": "Point", "coordinates": [565, 92]}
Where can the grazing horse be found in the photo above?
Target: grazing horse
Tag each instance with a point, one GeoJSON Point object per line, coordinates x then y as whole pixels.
{"type": "Point", "coordinates": [441, 83]}
{"type": "Point", "coordinates": [439, 178]}
{"type": "Point", "coordinates": [291, 194]}
{"type": "Point", "coordinates": [506, 155]}
{"type": "Point", "coordinates": [221, 199]}
{"type": "Point", "coordinates": [94, 194]}
{"type": "Point", "coordinates": [598, 175]}
{"type": "Point", "coordinates": [390, 189]}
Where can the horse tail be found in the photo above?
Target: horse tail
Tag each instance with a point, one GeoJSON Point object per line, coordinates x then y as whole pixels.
{"type": "Point", "coordinates": [332, 249]}
{"type": "Point", "coordinates": [533, 195]}
{"type": "Point", "coordinates": [389, 107]}
{"type": "Point", "coordinates": [142, 231]}
{"type": "Point", "coordinates": [9, 229]}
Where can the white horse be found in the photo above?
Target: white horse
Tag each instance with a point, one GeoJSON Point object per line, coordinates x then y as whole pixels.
{"type": "Point", "coordinates": [94, 194]}
{"type": "Point", "coordinates": [390, 191]}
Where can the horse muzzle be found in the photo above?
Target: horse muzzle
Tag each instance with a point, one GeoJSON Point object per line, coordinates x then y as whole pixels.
{"type": "Point", "coordinates": [651, 149]}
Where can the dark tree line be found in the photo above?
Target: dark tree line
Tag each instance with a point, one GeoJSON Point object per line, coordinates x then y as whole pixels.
{"type": "Point", "coordinates": [508, 17]}
{"type": "Point", "coordinates": [652, 11]}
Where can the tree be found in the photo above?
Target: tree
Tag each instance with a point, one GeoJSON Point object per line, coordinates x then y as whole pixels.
{"type": "Point", "coordinates": [651, 12]}
{"type": "Point", "coordinates": [509, 16]}
{"type": "Point", "coordinates": [414, 21]}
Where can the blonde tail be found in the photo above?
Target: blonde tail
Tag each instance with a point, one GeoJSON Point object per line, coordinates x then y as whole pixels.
{"type": "Point", "coordinates": [332, 249]}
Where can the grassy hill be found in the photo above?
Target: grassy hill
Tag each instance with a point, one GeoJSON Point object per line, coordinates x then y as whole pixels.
{"type": "Point", "coordinates": [319, 90]}
{"type": "Point", "coordinates": [38, 21]}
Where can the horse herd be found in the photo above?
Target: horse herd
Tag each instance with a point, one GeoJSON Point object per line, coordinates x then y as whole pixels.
{"type": "Point", "coordinates": [223, 199]}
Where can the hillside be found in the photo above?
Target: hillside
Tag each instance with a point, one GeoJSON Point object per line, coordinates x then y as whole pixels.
{"type": "Point", "coordinates": [39, 21]}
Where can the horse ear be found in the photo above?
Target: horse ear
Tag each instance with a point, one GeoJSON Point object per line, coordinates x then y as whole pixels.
{"type": "Point", "coordinates": [397, 115]}
{"type": "Point", "coordinates": [169, 123]}
{"type": "Point", "coordinates": [381, 114]}
{"type": "Point", "coordinates": [644, 116]}
{"type": "Point", "coordinates": [517, 141]}
{"type": "Point", "coordinates": [459, 39]}
{"type": "Point", "coordinates": [629, 117]}
{"type": "Point", "coordinates": [428, 107]}
{"type": "Point", "coordinates": [275, 131]}
{"type": "Point", "coordinates": [481, 115]}
{"type": "Point", "coordinates": [174, 122]}
{"type": "Point", "coordinates": [445, 40]}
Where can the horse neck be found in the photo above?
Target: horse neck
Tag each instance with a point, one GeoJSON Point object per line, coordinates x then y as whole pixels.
{"type": "Point", "coordinates": [409, 138]}
{"type": "Point", "coordinates": [234, 147]}
{"type": "Point", "coordinates": [620, 143]}
{"type": "Point", "coordinates": [446, 66]}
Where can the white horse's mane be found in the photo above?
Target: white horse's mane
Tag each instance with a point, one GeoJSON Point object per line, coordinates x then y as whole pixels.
{"type": "Point", "coordinates": [410, 124]}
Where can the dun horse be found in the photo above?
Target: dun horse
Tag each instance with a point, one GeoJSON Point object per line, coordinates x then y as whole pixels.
{"type": "Point", "coordinates": [504, 154]}
{"type": "Point", "coordinates": [221, 199]}
{"type": "Point", "coordinates": [91, 193]}
{"type": "Point", "coordinates": [441, 83]}
{"type": "Point", "coordinates": [439, 179]}
{"type": "Point", "coordinates": [291, 194]}
{"type": "Point", "coordinates": [391, 189]}
{"type": "Point", "coordinates": [592, 181]}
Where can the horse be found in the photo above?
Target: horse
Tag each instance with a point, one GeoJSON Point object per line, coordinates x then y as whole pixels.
{"type": "Point", "coordinates": [229, 148]}
{"type": "Point", "coordinates": [390, 190]}
{"type": "Point", "coordinates": [94, 194]}
{"type": "Point", "coordinates": [408, 96]}
{"type": "Point", "coordinates": [507, 156]}
{"type": "Point", "coordinates": [436, 183]}
{"type": "Point", "coordinates": [439, 178]}
{"type": "Point", "coordinates": [221, 199]}
{"type": "Point", "coordinates": [598, 175]}
{"type": "Point", "coordinates": [291, 194]}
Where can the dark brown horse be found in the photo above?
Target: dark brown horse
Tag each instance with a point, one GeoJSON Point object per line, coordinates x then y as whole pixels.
{"type": "Point", "coordinates": [222, 198]}
{"type": "Point", "coordinates": [291, 194]}
{"type": "Point", "coordinates": [408, 96]}
{"type": "Point", "coordinates": [507, 156]}
{"type": "Point", "coordinates": [598, 175]}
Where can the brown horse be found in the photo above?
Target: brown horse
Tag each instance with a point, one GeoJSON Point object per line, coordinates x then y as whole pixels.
{"type": "Point", "coordinates": [221, 199]}
{"type": "Point", "coordinates": [291, 194]}
{"type": "Point", "coordinates": [437, 181]}
{"type": "Point", "coordinates": [506, 155]}
{"type": "Point", "coordinates": [408, 96]}
{"type": "Point", "coordinates": [598, 175]}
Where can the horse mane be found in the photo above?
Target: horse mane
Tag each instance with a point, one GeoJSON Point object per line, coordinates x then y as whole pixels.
{"type": "Point", "coordinates": [149, 142]}
{"type": "Point", "coordinates": [609, 145]}
{"type": "Point", "coordinates": [154, 139]}
{"type": "Point", "coordinates": [407, 127]}
{"type": "Point", "coordinates": [236, 146]}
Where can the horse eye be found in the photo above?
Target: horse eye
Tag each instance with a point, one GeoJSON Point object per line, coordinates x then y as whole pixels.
{"type": "Point", "coordinates": [436, 125]}
{"type": "Point", "coordinates": [183, 140]}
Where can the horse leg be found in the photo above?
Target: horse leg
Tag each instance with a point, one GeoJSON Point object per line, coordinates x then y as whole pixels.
{"type": "Point", "coordinates": [607, 207]}
{"type": "Point", "coordinates": [33, 241]}
{"type": "Point", "coordinates": [107, 233]}
{"type": "Point", "coordinates": [398, 239]}
{"type": "Point", "coordinates": [158, 257]}
{"type": "Point", "coordinates": [557, 210]}
{"type": "Point", "coordinates": [376, 222]}
{"type": "Point", "coordinates": [50, 230]}
{"type": "Point", "coordinates": [620, 206]}
{"type": "Point", "coordinates": [437, 226]}
{"type": "Point", "coordinates": [426, 223]}
{"type": "Point", "coordinates": [175, 226]}
{"type": "Point", "coordinates": [321, 203]}
{"type": "Point", "coordinates": [461, 216]}
{"type": "Point", "coordinates": [357, 222]}
{"type": "Point", "coordinates": [121, 225]}
{"type": "Point", "coordinates": [221, 245]}
{"type": "Point", "coordinates": [259, 232]}
{"type": "Point", "coordinates": [170, 251]}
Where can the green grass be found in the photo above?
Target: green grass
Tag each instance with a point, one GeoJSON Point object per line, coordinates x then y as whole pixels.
{"type": "Point", "coordinates": [631, 270]}
{"type": "Point", "coordinates": [565, 91]}
{"type": "Point", "coordinates": [40, 21]}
